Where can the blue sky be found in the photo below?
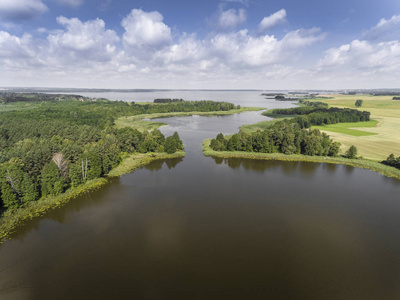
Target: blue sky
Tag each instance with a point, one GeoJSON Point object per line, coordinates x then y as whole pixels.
{"type": "Point", "coordinates": [240, 44]}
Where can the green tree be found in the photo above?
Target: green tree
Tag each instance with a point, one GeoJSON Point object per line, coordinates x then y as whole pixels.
{"type": "Point", "coordinates": [351, 152]}
{"type": "Point", "coordinates": [359, 103]}
{"type": "Point", "coordinates": [179, 143]}
{"type": "Point", "coordinates": [52, 181]}
{"type": "Point", "coordinates": [170, 145]}
{"type": "Point", "coordinates": [233, 143]}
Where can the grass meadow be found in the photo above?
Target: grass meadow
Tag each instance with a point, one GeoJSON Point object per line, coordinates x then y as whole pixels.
{"type": "Point", "coordinates": [384, 137]}
{"type": "Point", "coordinates": [375, 140]}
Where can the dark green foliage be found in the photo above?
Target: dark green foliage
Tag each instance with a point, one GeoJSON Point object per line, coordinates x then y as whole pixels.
{"type": "Point", "coordinates": [281, 137]}
{"type": "Point", "coordinates": [319, 115]}
{"type": "Point", "coordinates": [52, 182]}
{"type": "Point", "coordinates": [170, 145]}
{"type": "Point", "coordinates": [78, 131]}
{"type": "Point", "coordinates": [359, 103]}
{"type": "Point", "coordinates": [313, 103]}
{"type": "Point", "coordinates": [178, 141]}
{"type": "Point", "coordinates": [351, 152]}
{"type": "Point", "coordinates": [392, 161]}
{"type": "Point", "coordinates": [129, 138]}
{"type": "Point", "coordinates": [100, 113]}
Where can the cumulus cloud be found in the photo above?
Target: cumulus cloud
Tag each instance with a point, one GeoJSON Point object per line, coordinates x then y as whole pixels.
{"type": "Point", "coordinates": [231, 18]}
{"type": "Point", "coordinates": [385, 30]}
{"type": "Point", "coordinates": [145, 31]}
{"type": "Point", "coordinates": [247, 51]}
{"type": "Point", "coordinates": [14, 10]}
{"type": "Point", "coordinates": [89, 40]}
{"type": "Point", "coordinates": [275, 19]}
{"type": "Point", "coordinates": [378, 51]}
{"type": "Point", "coordinates": [363, 55]}
{"type": "Point", "coordinates": [72, 3]}
{"type": "Point", "coordinates": [89, 51]}
{"type": "Point", "coordinates": [13, 47]}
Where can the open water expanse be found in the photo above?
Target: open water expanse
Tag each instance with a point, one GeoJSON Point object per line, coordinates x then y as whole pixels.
{"type": "Point", "coordinates": [204, 228]}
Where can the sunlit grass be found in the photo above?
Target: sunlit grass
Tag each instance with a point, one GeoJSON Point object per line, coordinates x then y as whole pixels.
{"type": "Point", "coordinates": [386, 138]}
{"type": "Point", "coordinates": [347, 128]}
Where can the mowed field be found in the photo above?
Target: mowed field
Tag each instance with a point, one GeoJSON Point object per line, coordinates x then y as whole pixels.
{"type": "Point", "coordinates": [384, 136]}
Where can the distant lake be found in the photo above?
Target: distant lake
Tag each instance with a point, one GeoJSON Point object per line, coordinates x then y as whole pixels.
{"type": "Point", "coordinates": [244, 98]}
{"type": "Point", "coordinates": [204, 228]}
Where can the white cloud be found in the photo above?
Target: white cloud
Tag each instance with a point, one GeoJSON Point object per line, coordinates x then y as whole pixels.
{"type": "Point", "coordinates": [89, 40]}
{"type": "Point", "coordinates": [363, 55]}
{"type": "Point", "coordinates": [145, 31]}
{"type": "Point", "coordinates": [275, 19]}
{"type": "Point", "coordinates": [385, 30]}
{"type": "Point", "coordinates": [13, 47]}
{"type": "Point", "coordinates": [14, 10]}
{"type": "Point", "coordinates": [72, 3]}
{"type": "Point", "coordinates": [231, 18]}
{"type": "Point", "coordinates": [87, 53]}
{"type": "Point", "coordinates": [246, 51]}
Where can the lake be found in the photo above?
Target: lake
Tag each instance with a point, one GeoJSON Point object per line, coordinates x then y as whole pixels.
{"type": "Point", "coordinates": [204, 228]}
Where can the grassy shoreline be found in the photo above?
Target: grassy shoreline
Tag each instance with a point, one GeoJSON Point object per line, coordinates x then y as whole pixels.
{"type": "Point", "coordinates": [358, 163]}
{"type": "Point", "coordinates": [14, 218]}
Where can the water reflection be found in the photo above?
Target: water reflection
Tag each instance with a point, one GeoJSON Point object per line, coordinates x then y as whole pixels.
{"type": "Point", "coordinates": [157, 164]}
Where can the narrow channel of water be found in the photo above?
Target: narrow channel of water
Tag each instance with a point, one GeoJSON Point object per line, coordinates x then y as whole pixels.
{"type": "Point", "coordinates": [204, 228]}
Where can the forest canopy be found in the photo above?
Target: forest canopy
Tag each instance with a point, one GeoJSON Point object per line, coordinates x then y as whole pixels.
{"type": "Point", "coordinates": [281, 137]}
{"type": "Point", "coordinates": [50, 143]}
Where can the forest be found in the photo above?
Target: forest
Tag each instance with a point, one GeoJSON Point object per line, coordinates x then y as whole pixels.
{"type": "Point", "coordinates": [59, 143]}
{"type": "Point", "coordinates": [315, 114]}
{"type": "Point", "coordinates": [281, 137]}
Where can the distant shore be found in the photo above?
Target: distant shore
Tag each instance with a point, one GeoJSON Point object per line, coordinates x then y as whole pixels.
{"type": "Point", "coordinates": [138, 122]}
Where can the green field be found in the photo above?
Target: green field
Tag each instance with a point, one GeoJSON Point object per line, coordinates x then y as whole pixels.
{"type": "Point", "coordinates": [386, 138]}
{"type": "Point", "coordinates": [375, 139]}
{"type": "Point", "coordinates": [349, 128]}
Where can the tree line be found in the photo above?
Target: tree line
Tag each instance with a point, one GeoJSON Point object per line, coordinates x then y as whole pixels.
{"type": "Point", "coordinates": [307, 116]}
{"type": "Point", "coordinates": [102, 113]}
{"type": "Point", "coordinates": [38, 167]}
{"type": "Point", "coordinates": [280, 137]}
{"type": "Point", "coordinates": [392, 161]}
{"type": "Point", "coordinates": [45, 150]}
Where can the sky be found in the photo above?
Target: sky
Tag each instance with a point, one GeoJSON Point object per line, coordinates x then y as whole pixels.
{"type": "Point", "coordinates": [208, 44]}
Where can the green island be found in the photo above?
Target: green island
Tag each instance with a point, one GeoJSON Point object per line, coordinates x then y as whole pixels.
{"type": "Point", "coordinates": [361, 134]}
{"type": "Point", "coordinates": [55, 147]}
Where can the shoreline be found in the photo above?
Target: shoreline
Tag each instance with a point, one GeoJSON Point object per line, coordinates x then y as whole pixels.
{"type": "Point", "coordinates": [375, 166]}
{"type": "Point", "coordinates": [130, 121]}
{"type": "Point", "coordinates": [14, 218]}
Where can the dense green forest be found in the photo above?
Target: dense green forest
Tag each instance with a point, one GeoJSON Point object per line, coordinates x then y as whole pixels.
{"type": "Point", "coordinates": [281, 137]}
{"type": "Point", "coordinates": [60, 141]}
{"type": "Point", "coordinates": [318, 114]}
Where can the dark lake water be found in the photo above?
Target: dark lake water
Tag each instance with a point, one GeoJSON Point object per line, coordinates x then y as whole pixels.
{"type": "Point", "coordinates": [204, 228]}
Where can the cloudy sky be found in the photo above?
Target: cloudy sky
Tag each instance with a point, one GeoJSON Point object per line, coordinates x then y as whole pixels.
{"type": "Point", "coordinates": [216, 44]}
